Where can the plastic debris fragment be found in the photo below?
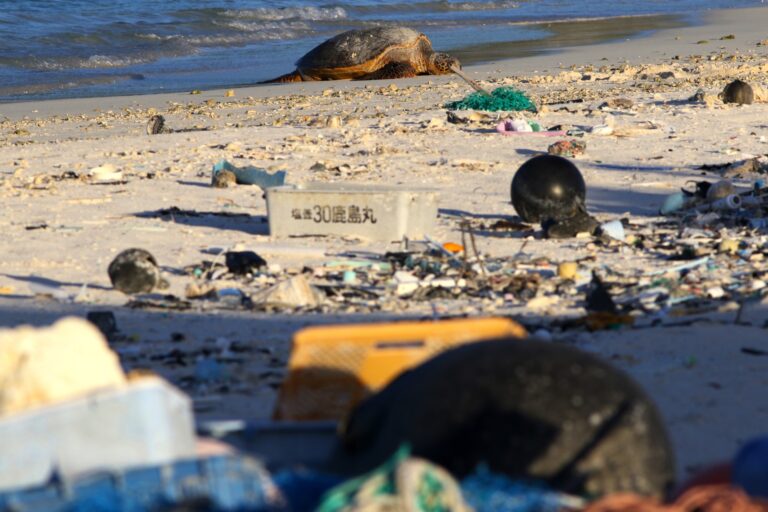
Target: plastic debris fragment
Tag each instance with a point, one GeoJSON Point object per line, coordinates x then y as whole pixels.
{"type": "Point", "coordinates": [250, 175]}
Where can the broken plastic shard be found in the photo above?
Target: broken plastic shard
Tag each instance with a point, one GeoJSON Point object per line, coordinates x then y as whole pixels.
{"type": "Point", "coordinates": [49, 291]}
{"type": "Point", "coordinates": [523, 127]}
{"type": "Point", "coordinates": [405, 283]}
{"type": "Point", "coordinates": [602, 129]}
{"type": "Point", "coordinates": [349, 277]}
{"type": "Point", "coordinates": [680, 268]}
{"type": "Point", "coordinates": [567, 270]}
{"type": "Point", "coordinates": [514, 125]}
{"type": "Point", "coordinates": [250, 175]}
{"type": "Point", "coordinates": [107, 173]}
{"type": "Point", "coordinates": [231, 297]}
{"type": "Point", "coordinates": [293, 292]}
{"type": "Point", "coordinates": [673, 203]}
{"type": "Point", "coordinates": [624, 103]}
{"type": "Point", "coordinates": [210, 370]}
{"type": "Point", "coordinates": [613, 229]}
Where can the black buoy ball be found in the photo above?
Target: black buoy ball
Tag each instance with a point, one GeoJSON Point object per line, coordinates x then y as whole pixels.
{"type": "Point", "coordinates": [531, 410]}
{"type": "Point", "coordinates": [548, 187]}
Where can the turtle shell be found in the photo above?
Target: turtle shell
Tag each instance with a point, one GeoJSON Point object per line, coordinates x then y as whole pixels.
{"type": "Point", "coordinates": [357, 48]}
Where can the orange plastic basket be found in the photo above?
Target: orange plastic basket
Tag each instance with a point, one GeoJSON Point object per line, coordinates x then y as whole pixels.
{"type": "Point", "coordinates": [332, 368]}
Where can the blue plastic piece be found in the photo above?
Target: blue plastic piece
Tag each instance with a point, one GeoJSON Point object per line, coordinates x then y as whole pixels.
{"type": "Point", "coordinates": [750, 468]}
{"type": "Point", "coordinates": [224, 483]}
{"type": "Point", "coordinates": [303, 490]}
{"type": "Point", "coordinates": [250, 175]}
{"type": "Point", "coordinates": [614, 229]}
{"type": "Point", "coordinates": [485, 491]}
{"type": "Point", "coordinates": [349, 277]}
{"type": "Point", "coordinates": [673, 203]}
{"type": "Point", "coordinates": [210, 370]}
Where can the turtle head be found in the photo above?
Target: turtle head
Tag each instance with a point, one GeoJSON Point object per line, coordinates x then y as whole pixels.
{"type": "Point", "coordinates": [442, 64]}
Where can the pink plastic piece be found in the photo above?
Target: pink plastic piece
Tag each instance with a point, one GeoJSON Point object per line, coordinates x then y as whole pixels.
{"type": "Point", "coordinates": [505, 128]}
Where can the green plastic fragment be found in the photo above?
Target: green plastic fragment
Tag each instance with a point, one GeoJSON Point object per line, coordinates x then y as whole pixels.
{"type": "Point", "coordinates": [502, 98]}
{"type": "Point", "coordinates": [377, 483]}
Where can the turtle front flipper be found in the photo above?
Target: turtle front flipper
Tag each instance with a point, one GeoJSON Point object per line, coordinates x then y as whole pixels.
{"type": "Point", "coordinates": [391, 70]}
{"type": "Point", "coordinates": [295, 76]}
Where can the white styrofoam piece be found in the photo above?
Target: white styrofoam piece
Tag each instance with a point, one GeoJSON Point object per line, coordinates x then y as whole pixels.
{"type": "Point", "coordinates": [148, 422]}
{"type": "Point", "coordinates": [373, 212]}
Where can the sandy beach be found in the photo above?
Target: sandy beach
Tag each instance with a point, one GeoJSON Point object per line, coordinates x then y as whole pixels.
{"type": "Point", "coordinates": [61, 228]}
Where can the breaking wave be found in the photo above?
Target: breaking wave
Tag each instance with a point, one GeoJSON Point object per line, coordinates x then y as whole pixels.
{"type": "Point", "coordinates": [435, 6]}
{"type": "Point", "coordinates": [63, 63]}
{"type": "Point", "coordinates": [288, 13]}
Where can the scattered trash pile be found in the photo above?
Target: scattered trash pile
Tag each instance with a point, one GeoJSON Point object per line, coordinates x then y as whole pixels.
{"type": "Point", "coordinates": [455, 415]}
{"type": "Point", "coordinates": [712, 241]}
{"type": "Point", "coordinates": [721, 202]}
{"type": "Point", "coordinates": [452, 415]}
{"type": "Point", "coordinates": [423, 271]}
{"type": "Point", "coordinates": [511, 116]}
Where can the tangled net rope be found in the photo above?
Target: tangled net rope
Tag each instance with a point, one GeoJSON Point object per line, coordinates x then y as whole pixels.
{"type": "Point", "coordinates": [708, 498]}
{"type": "Point", "coordinates": [502, 99]}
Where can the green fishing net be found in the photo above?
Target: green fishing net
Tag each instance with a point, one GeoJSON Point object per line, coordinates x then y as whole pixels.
{"type": "Point", "coordinates": [401, 483]}
{"type": "Point", "coordinates": [502, 98]}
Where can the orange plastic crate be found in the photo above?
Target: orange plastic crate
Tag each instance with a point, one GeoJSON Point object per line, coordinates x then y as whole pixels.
{"type": "Point", "coordinates": [332, 368]}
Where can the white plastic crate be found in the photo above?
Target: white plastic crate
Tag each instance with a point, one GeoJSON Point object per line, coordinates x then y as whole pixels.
{"type": "Point", "coordinates": [372, 212]}
{"type": "Point", "coordinates": [148, 422]}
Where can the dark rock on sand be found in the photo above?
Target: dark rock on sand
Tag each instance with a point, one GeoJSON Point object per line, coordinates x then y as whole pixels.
{"type": "Point", "coordinates": [134, 271]}
{"type": "Point", "coordinates": [738, 92]}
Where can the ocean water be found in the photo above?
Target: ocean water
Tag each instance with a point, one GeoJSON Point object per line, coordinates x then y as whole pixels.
{"type": "Point", "coordinates": [77, 48]}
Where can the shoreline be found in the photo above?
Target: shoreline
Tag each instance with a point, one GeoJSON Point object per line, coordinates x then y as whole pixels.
{"type": "Point", "coordinates": [62, 229]}
{"type": "Point", "coordinates": [567, 35]}
{"type": "Point", "coordinates": [614, 51]}
{"type": "Point", "coordinates": [573, 34]}
{"type": "Point", "coordinates": [662, 44]}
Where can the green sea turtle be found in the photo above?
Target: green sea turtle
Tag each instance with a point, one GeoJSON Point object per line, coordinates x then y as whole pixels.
{"type": "Point", "coordinates": [370, 54]}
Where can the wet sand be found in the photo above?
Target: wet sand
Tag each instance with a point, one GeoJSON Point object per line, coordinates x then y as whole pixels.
{"type": "Point", "coordinates": [569, 34]}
